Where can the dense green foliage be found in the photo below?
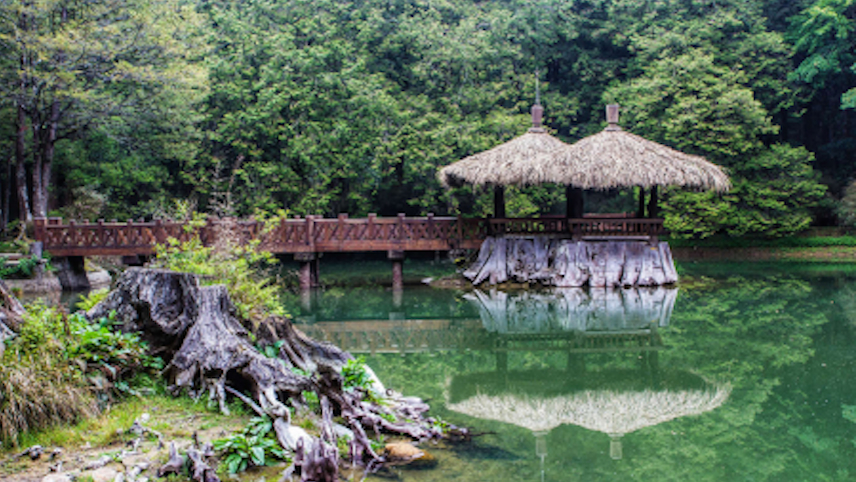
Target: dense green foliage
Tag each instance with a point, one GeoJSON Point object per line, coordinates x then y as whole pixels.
{"type": "Point", "coordinates": [325, 107]}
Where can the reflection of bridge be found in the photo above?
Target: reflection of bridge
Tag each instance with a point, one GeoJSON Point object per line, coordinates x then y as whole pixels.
{"type": "Point", "coordinates": [573, 320]}
{"type": "Point", "coordinates": [409, 336]}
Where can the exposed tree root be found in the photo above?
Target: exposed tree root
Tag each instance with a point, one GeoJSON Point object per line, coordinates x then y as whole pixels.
{"type": "Point", "coordinates": [208, 350]}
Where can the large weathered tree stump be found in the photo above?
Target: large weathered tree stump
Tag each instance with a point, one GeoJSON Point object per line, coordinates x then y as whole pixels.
{"type": "Point", "coordinates": [568, 263]}
{"type": "Point", "coordinates": [196, 330]}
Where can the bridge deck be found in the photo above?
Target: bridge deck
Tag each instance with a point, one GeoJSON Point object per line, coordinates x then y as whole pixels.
{"type": "Point", "coordinates": [314, 234]}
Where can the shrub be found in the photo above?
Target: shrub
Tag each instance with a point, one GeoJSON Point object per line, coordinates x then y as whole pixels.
{"type": "Point", "coordinates": [254, 446]}
{"type": "Point", "coordinates": [254, 295]}
{"type": "Point", "coordinates": [37, 388]}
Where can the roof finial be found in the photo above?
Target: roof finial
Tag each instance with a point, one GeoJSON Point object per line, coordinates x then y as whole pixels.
{"type": "Point", "coordinates": [612, 117]}
{"type": "Point", "coordinates": [537, 110]}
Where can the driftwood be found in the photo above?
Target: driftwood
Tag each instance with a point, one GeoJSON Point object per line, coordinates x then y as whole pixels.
{"type": "Point", "coordinates": [11, 315]}
{"type": "Point", "coordinates": [569, 263]}
{"type": "Point", "coordinates": [208, 350]}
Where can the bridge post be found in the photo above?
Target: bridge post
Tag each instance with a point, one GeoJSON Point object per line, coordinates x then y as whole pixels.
{"type": "Point", "coordinates": [309, 272]}
{"type": "Point", "coordinates": [397, 258]}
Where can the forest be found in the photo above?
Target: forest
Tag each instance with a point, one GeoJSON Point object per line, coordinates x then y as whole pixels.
{"type": "Point", "coordinates": [150, 109]}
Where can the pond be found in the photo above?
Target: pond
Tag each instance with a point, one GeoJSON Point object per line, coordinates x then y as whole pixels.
{"type": "Point", "coordinates": [745, 372]}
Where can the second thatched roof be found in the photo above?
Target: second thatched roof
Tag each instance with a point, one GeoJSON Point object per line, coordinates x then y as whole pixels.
{"type": "Point", "coordinates": [614, 158]}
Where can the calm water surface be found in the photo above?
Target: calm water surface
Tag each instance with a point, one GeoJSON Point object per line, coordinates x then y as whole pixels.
{"type": "Point", "coordinates": [745, 372]}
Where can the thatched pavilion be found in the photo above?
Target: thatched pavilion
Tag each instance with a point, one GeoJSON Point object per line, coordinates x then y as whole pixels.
{"type": "Point", "coordinates": [605, 250]}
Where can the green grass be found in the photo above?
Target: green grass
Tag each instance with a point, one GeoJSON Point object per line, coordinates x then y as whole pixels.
{"type": "Point", "coordinates": [169, 415]}
{"type": "Point", "coordinates": [789, 242]}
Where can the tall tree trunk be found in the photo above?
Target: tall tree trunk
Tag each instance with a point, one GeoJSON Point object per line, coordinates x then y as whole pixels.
{"type": "Point", "coordinates": [21, 169]}
{"type": "Point", "coordinates": [49, 150]}
{"type": "Point", "coordinates": [7, 193]}
{"type": "Point", "coordinates": [39, 210]}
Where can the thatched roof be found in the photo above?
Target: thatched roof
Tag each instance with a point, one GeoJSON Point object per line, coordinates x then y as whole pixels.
{"type": "Point", "coordinates": [613, 158]}
{"type": "Point", "coordinates": [505, 164]}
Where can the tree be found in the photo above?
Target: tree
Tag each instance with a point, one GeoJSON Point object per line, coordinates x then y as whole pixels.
{"type": "Point", "coordinates": [95, 65]}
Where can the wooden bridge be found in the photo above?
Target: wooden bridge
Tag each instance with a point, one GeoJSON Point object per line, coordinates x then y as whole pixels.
{"type": "Point", "coordinates": [315, 234]}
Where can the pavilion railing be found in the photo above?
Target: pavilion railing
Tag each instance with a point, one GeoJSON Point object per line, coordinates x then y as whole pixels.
{"type": "Point", "coordinates": [318, 234]}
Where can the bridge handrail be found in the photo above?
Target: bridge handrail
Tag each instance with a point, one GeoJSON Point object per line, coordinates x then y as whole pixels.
{"type": "Point", "coordinates": [318, 234]}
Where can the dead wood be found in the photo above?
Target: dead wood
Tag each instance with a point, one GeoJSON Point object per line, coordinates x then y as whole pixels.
{"type": "Point", "coordinates": [174, 464]}
{"type": "Point", "coordinates": [200, 471]}
{"type": "Point", "coordinates": [11, 315]}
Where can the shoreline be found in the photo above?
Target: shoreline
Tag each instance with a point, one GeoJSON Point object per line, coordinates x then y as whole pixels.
{"type": "Point", "coordinates": [825, 254]}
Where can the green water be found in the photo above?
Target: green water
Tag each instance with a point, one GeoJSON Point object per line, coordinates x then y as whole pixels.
{"type": "Point", "coordinates": [765, 352]}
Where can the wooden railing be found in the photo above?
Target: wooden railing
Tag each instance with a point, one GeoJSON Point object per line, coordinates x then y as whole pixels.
{"type": "Point", "coordinates": [316, 234]}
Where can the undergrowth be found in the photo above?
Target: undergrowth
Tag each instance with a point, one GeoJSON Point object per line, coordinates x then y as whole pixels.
{"type": "Point", "coordinates": [61, 368]}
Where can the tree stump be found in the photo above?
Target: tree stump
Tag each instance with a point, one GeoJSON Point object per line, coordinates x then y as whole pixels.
{"type": "Point", "coordinates": [568, 263]}
{"type": "Point", "coordinates": [196, 330]}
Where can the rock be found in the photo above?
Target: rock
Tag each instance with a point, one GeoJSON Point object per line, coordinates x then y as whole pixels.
{"type": "Point", "coordinates": [57, 478]}
{"type": "Point", "coordinates": [99, 279]}
{"type": "Point", "coordinates": [404, 453]}
{"type": "Point", "coordinates": [104, 474]}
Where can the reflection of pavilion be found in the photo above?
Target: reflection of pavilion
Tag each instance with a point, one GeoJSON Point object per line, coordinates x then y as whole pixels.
{"type": "Point", "coordinates": [543, 401]}
{"type": "Point", "coordinates": [575, 320]}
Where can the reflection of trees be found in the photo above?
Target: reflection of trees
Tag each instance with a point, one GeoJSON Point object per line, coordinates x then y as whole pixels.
{"type": "Point", "coordinates": [376, 302]}
{"type": "Point", "coordinates": [749, 332]}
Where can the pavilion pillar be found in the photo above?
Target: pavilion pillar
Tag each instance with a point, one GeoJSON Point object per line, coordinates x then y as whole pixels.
{"type": "Point", "coordinates": [574, 202]}
{"type": "Point", "coordinates": [499, 201]}
{"type": "Point", "coordinates": [640, 211]}
{"type": "Point", "coordinates": [653, 209]}
{"type": "Point", "coordinates": [397, 258]}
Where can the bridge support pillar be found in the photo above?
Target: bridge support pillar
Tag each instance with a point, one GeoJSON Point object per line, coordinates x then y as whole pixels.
{"type": "Point", "coordinates": [397, 258]}
{"type": "Point", "coordinates": [71, 272]}
{"type": "Point", "coordinates": [309, 270]}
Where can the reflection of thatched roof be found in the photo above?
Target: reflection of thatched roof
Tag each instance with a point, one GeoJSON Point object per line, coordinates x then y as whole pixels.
{"type": "Point", "coordinates": [614, 158]}
{"type": "Point", "coordinates": [605, 411]}
{"type": "Point", "coordinates": [505, 164]}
